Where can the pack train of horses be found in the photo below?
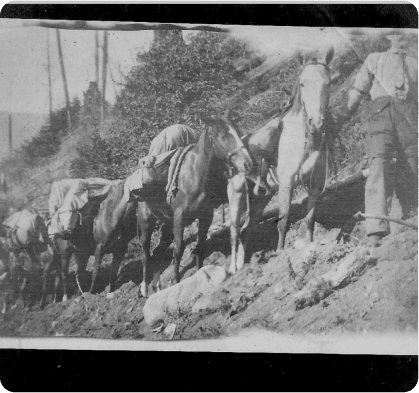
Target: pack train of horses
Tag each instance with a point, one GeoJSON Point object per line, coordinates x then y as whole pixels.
{"type": "Point", "coordinates": [222, 165]}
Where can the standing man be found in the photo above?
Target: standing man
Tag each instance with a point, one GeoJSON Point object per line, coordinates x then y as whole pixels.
{"type": "Point", "coordinates": [391, 78]}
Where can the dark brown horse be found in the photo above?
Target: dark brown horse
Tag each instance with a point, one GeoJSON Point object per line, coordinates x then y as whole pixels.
{"type": "Point", "coordinates": [201, 187]}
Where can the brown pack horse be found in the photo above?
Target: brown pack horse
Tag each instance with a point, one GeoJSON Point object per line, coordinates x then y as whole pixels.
{"type": "Point", "coordinates": [29, 236]}
{"type": "Point", "coordinates": [107, 226]}
{"type": "Point", "coordinates": [201, 188]}
{"type": "Point", "coordinates": [304, 143]}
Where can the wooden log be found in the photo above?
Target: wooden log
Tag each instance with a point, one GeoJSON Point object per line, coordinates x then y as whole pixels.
{"type": "Point", "coordinates": [339, 202]}
{"type": "Point", "coordinates": [353, 265]}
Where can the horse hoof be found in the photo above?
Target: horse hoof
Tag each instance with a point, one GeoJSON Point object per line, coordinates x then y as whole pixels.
{"type": "Point", "coordinates": [232, 270]}
{"type": "Point", "coordinates": [143, 290]}
{"type": "Point", "coordinates": [64, 298]}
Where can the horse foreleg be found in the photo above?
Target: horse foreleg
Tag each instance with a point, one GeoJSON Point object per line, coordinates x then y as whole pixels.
{"type": "Point", "coordinates": [117, 258]}
{"type": "Point", "coordinates": [204, 224]}
{"type": "Point", "coordinates": [166, 239]}
{"type": "Point", "coordinates": [257, 205]}
{"type": "Point", "coordinates": [146, 227]}
{"type": "Point", "coordinates": [236, 192]}
{"type": "Point", "coordinates": [81, 262]}
{"type": "Point", "coordinates": [310, 218]}
{"type": "Point", "coordinates": [315, 183]}
{"type": "Point", "coordinates": [56, 284]}
{"type": "Point", "coordinates": [284, 197]}
{"type": "Point", "coordinates": [14, 275]}
{"type": "Point", "coordinates": [96, 265]}
{"type": "Point", "coordinates": [179, 245]}
{"type": "Point", "coordinates": [45, 272]}
{"type": "Point", "coordinates": [64, 266]}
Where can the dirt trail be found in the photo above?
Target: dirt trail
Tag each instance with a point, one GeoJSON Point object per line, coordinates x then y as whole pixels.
{"type": "Point", "coordinates": [380, 298]}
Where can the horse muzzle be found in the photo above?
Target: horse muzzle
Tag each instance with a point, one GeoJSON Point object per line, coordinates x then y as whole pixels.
{"type": "Point", "coordinates": [316, 124]}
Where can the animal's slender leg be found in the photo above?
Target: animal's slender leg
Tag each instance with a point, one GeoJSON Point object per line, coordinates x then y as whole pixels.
{"type": "Point", "coordinates": [165, 240]}
{"type": "Point", "coordinates": [46, 268]}
{"type": "Point", "coordinates": [146, 226]}
{"type": "Point", "coordinates": [160, 253]}
{"type": "Point", "coordinates": [15, 279]}
{"type": "Point", "coordinates": [65, 262]}
{"type": "Point", "coordinates": [236, 192]}
{"type": "Point", "coordinates": [204, 224]}
{"type": "Point", "coordinates": [316, 183]}
{"type": "Point", "coordinates": [56, 284]}
{"type": "Point", "coordinates": [22, 288]}
{"type": "Point", "coordinates": [256, 210]}
{"type": "Point", "coordinates": [96, 265]}
{"type": "Point", "coordinates": [284, 194]}
{"type": "Point", "coordinates": [81, 263]}
{"type": "Point", "coordinates": [117, 258]}
{"type": "Point", "coordinates": [311, 205]}
{"type": "Point", "coordinates": [179, 246]}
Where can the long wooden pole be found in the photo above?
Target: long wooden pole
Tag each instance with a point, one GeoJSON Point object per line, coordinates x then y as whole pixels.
{"type": "Point", "coordinates": [67, 98]}
{"type": "Point", "coordinates": [10, 136]}
{"type": "Point", "coordinates": [104, 73]}
{"type": "Point", "coordinates": [49, 76]}
{"type": "Point", "coordinates": [97, 58]}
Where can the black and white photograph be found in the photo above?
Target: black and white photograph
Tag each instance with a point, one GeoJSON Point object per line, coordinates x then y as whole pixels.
{"type": "Point", "coordinates": [208, 186]}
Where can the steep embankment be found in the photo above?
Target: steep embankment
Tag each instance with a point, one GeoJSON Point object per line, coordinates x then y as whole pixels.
{"type": "Point", "coordinates": [374, 291]}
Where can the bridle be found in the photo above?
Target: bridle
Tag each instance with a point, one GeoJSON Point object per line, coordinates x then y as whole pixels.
{"type": "Point", "coordinates": [323, 144]}
{"type": "Point", "coordinates": [231, 152]}
{"type": "Point", "coordinates": [302, 102]}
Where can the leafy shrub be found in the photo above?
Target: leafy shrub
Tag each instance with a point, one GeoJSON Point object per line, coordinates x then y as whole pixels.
{"type": "Point", "coordinates": [172, 83]}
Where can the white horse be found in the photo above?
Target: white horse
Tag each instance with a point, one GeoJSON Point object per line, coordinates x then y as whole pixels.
{"type": "Point", "coordinates": [303, 145]}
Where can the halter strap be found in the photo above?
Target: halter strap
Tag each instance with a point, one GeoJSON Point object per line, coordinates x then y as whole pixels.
{"type": "Point", "coordinates": [231, 152]}
{"type": "Point", "coordinates": [234, 151]}
{"type": "Point", "coordinates": [305, 65]}
{"type": "Point", "coordinates": [316, 63]}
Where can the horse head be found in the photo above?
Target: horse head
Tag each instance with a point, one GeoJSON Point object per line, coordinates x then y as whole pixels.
{"type": "Point", "coordinates": [313, 88]}
{"type": "Point", "coordinates": [228, 145]}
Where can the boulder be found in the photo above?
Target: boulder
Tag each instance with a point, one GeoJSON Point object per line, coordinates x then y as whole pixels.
{"type": "Point", "coordinates": [207, 303]}
{"type": "Point", "coordinates": [183, 296]}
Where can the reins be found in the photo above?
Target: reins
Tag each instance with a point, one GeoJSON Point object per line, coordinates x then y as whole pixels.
{"type": "Point", "coordinates": [324, 142]}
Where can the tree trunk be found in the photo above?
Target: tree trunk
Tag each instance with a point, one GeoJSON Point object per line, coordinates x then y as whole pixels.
{"type": "Point", "coordinates": [67, 97]}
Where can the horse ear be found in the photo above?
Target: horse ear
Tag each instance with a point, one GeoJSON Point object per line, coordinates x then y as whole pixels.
{"type": "Point", "coordinates": [300, 58]}
{"type": "Point", "coordinates": [329, 55]}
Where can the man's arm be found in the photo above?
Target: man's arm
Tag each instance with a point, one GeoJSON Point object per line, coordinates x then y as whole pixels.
{"type": "Point", "coordinates": [361, 87]}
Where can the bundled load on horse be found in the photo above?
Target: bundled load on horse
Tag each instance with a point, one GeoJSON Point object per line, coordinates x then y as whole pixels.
{"type": "Point", "coordinates": [22, 229]}
{"type": "Point", "coordinates": [153, 173]}
{"type": "Point", "coordinates": [68, 197]}
{"type": "Point", "coordinates": [171, 138]}
{"type": "Point", "coordinates": [156, 170]}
